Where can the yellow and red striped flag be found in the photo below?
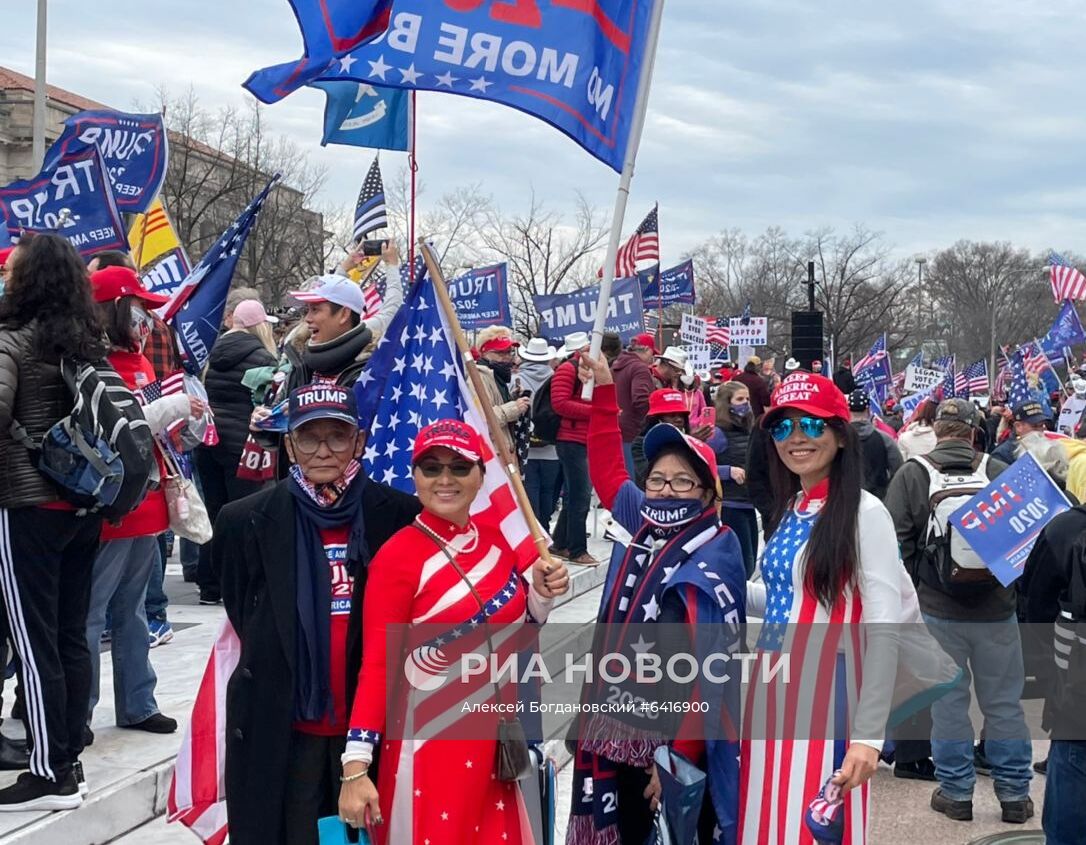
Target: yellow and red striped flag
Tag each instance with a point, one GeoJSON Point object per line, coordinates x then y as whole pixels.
{"type": "Point", "coordinates": [152, 235]}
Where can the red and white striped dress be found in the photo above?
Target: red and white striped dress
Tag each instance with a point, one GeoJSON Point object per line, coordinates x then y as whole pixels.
{"type": "Point", "coordinates": [788, 750]}
{"type": "Point", "coordinates": [439, 791]}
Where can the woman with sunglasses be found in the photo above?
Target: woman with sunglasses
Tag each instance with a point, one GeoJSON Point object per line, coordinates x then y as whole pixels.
{"type": "Point", "coordinates": [447, 570]}
{"type": "Point", "coordinates": [675, 562]}
{"type": "Point", "coordinates": [833, 558]}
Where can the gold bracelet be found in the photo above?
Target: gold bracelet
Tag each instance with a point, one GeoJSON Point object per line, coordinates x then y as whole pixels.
{"type": "Point", "coordinates": [357, 776]}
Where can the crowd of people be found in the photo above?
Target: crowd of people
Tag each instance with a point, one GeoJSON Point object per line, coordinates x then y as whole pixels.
{"type": "Point", "coordinates": [782, 497]}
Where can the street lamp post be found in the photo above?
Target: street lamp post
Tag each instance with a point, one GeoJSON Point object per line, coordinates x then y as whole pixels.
{"type": "Point", "coordinates": [920, 262]}
{"type": "Point", "coordinates": [38, 146]}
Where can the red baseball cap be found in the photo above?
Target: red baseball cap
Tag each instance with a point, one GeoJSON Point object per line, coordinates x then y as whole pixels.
{"type": "Point", "coordinates": [5, 254]}
{"type": "Point", "coordinates": [499, 344]}
{"type": "Point", "coordinates": [666, 401]}
{"type": "Point", "coordinates": [114, 282]}
{"type": "Point", "coordinates": [450, 434]}
{"type": "Point", "coordinates": [645, 341]}
{"type": "Point", "coordinates": [808, 392]}
{"type": "Point", "coordinates": [662, 435]}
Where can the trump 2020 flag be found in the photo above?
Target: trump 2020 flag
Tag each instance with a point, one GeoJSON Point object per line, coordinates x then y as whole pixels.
{"type": "Point", "coordinates": [196, 307]}
{"type": "Point", "coordinates": [1066, 331]}
{"type": "Point", "coordinates": [361, 115]}
{"type": "Point", "coordinates": [72, 197]}
{"type": "Point", "coordinates": [413, 380]}
{"type": "Point", "coordinates": [134, 148]}
{"type": "Point", "coordinates": [330, 30]}
{"type": "Point", "coordinates": [575, 64]}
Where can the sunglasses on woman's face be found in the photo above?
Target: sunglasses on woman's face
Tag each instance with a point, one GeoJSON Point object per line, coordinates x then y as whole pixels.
{"type": "Point", "coordinates": [813, 427]}
{"type": "Point", "coordinates": [434, 469]}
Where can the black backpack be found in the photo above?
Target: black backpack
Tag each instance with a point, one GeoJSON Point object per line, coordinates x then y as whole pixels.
{"type": "Point", "coordinates": [545, 421]}
{"type": "Point", "coordinates": [100, 456]}
{"type": "Point", "coordinates": [1069, 650]}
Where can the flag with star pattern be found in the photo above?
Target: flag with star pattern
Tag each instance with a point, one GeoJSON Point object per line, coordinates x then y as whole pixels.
{"type": "Point", "coordinates": [371, 214]}
{"type": "Point", "coordinates": [413, 380]}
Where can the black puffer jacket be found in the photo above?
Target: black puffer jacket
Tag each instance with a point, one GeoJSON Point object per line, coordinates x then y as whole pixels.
{"type": "Point", "coordinates": [32, 392]}
{"type": "Point", "coordinates": [231, 401]}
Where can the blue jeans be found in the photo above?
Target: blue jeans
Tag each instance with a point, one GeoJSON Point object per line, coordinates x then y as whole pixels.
{"type": "Point", "coordinates": [119, 582]}
{"type": "Point", "coordinates": [541, 484]}
{"type": "Point", "coordinates": [571, 533]}
{"type": "Point", "coordinates": [156, 603]}
{"type": "Point", "coordinates": [991, 654]}
{"type": "Point", "coordinates": [1064, 815]}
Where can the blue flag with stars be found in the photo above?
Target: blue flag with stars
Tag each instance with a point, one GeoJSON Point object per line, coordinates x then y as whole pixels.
{"type": "Point", "coordinates": [197, 307]}
{"type": "Point", "coordinates": [1066, 331]}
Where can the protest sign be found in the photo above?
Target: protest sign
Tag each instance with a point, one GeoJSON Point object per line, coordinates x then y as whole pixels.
{"type": "Point", "coordinates": [919, 379]}
{"type": "Point", "coordinates": [561, 314]}
{"type": "Point", "coordinates": [1002, 522]}
{"type": "Point", "coordinates": [699, 356]}
{"type": "Point", "coordinates": [573, 64]}
{"type": "Point", "coordinates": [481, 298]}
{"type": "Point", "coordinates": [661, 288]}
{"type": "Point", "coordinates": [755, 332]}
{"type": "Point", "coordinates": [73, 198]}
{"type": "Point", "coordinates": [693, 329]}
{"type": "Point", "coordinates": [1071, 414]}
{"type": "Point", "coordinates": [744, 354]}
{"type": "Point", "coordinates": [134, 150]}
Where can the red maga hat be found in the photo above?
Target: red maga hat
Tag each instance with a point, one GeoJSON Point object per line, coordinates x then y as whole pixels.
{"type": "Point", "coordinates": [808, 392]}
{"type": "Point", "coordinates": [498, 344]}
{"type": "Point", "coordinates": [450, 434]}
{"type": "Point", "coordinates": [667, 401]}
{"type": "Point", "coordinates": [112, 283]}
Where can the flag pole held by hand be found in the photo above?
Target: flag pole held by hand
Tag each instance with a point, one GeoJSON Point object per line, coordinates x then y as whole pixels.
{"type": "Point", "coordinates": [492, 422]}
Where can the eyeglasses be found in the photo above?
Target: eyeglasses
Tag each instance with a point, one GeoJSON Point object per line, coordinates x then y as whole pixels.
{"type": "Point", "coordinates": [813, 427]}
{"type": "Point", "coordinates": [678, 484]}
{"type": "Point", "coordinates": [308, 443]}
{"type": "Point", "coordinates": [435, 469]}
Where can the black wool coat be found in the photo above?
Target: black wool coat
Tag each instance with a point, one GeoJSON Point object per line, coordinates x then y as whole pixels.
{"type": "Point", "coordinates": [253, 548]}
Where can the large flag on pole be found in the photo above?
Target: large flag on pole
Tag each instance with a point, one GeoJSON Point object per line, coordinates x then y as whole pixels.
{"type": "Point", "coordinates": [152, 235]}
{"type": "Point", "coordinates": [1067, 281]}
{"type": "Point", "coordinates": [874, 367]}
{"type": "Point", "coordinates": [371, 213]}
{"type": "Point", "coordinates": [1067, 330]}
{"type": "Point", "coordinates": [576, 64]}
{"type": "Point", "coordinates": [976, 377]}
{"type": "Point", "coordinates": [1022, 386]}
{"type": "Point", "coordinates": [412, 380]}
{"type": "Point", "coordinates": [361, 115]}
{"type": "Point", "coordinates": [330, 30]}
{"type": "Point", "coordinates": [196, 308]}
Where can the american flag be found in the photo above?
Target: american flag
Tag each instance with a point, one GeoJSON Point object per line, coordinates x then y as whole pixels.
{"type": "Point", "coordinates": [875, 364]}
{"type": "Point", "coordinates": [961, 384]}
{"type": "Point", "coordinates": [1022, 388]}
{"type": "Point", "coordinates": [718, 331]}
{"type": "Point", "coordinates": [172, 384]}
{"type": "Point", "coordinates": [413, 380]}
{"type": "Point", "coordinates": [976, 377]}
{"type": "Point", "coordinates": [371, 299]}
{"type": "Point", "coordinates": [1067, 281]}
{"type": "Point", "coordinates": [1035, 361]}
{"type": "Point", "coordinates": [643, 245]}
{"type": "Point", "coordinates": [371, 214]}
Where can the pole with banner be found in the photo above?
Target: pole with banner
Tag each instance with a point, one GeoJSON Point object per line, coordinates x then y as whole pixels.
{"type": "Point", "coordinates": [413, 164]}
{"type": "Point", "coordinates": [433, 268]}
{"type": "Point", "coordinates": [640, 110]}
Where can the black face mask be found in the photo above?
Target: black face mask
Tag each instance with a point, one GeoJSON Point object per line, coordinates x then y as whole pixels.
{"type": "Point", "coordinates": [503, 370]}
{"type": "Point", "coordinates": [671, 514]}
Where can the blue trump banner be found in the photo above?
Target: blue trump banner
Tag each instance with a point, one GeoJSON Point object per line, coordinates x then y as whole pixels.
{"type": "Point", "coordinates": [481, 297]}
{"type": "Point", "coordinates": [134, 148]}
{"type": "Point", "coordinates": [1003, 521]}
{"type": "Point", "coordinates": [197, 306]}
{"type": "Point", "coordinates": [168, 273]}
{"type": "Point", "coordinates": [1066, 331]}
{"type": "Point", "coordinates": [574, 63]}
{"type": "Point", "coordinates": [360, 115]}
{"type": "Point", "coordinates": [72, 197]}
{"type": "Point", "coordinates": [661, 288]}
{"type": "Point", "coordinates": [330, 30]}
{"type": "Point", "coordinates": [561, 314]}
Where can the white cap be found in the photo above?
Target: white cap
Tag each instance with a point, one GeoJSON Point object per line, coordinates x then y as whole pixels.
{"type": "Point", "coordinates": [537, 349]}
{"type": "Point", "coordinates": [336, 289]}
{"type": "Point", "coordinates": [674, 355]}
{"type": "Point", "coordinates": [575, 343]}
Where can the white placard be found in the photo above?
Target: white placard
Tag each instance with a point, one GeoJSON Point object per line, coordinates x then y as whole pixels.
{"type": "Point", "coordinates": [754, 333]}
{"type": "Point", "coordinates": [1071, 414]}
{"type": "Point", "coordinates": [699, 356]}
{"type": "Point", "coordinates": [919, 379]}
{"type": "Point", "coordinates": [745, 354]}
{"type": "Point", "coordinates": [693, 329]}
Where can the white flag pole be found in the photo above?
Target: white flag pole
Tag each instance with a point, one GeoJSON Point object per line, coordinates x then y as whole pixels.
{"type": "Point", "coordinates": [641, 107]}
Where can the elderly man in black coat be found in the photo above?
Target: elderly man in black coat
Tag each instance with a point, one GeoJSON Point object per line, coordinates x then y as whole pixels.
{"type": "Point", "coordinates": [293, 559]}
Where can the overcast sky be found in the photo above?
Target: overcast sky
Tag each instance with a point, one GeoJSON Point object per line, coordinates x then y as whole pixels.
{"type": "Point", "coordinates": [930, 120]}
